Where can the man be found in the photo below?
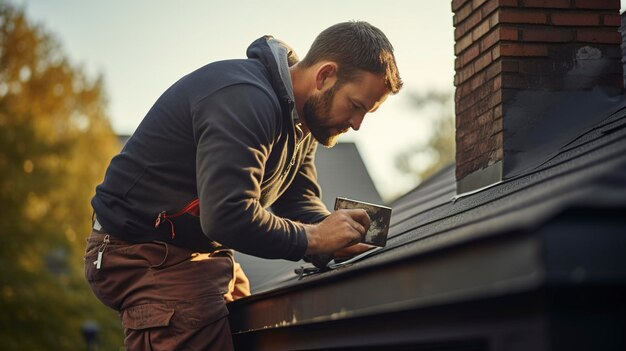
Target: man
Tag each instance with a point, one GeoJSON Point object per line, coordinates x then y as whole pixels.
{"type": "Point", "coordinates": [225, 160]}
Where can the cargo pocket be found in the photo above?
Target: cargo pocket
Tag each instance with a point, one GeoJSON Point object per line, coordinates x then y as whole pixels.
{"type": "Point", "coordinates": [146, 327]}
{"type": "Point", "coordinates": [199, 312]}
{"type": "Point", "coordinates": [146, 316]}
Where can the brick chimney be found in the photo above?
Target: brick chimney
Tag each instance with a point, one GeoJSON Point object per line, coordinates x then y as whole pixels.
{"type": "Point", "coordinates": [513, 59]}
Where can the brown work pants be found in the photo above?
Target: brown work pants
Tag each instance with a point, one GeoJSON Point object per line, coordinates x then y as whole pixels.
{"type": "Point", "coordinates": [168, 297]}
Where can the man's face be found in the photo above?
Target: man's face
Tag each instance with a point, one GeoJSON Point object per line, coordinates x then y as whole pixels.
{"type": "Point", "coordinates": [334, 111]}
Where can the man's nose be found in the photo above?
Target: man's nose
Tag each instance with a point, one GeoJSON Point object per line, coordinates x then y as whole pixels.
{"type": "Point", "coordinates": [355, 122]}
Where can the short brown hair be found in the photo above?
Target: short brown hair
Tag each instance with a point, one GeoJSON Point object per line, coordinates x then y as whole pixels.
{"type": "Point", "coordinates": [356, 45]}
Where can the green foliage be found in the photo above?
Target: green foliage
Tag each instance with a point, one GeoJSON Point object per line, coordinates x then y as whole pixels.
{"type": "Point", "coordinates": [55, 141]}
{"type": "Point", "coordinates": [425, 159]}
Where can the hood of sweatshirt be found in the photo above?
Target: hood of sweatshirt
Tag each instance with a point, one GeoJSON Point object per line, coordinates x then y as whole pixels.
{"type": "Point", "coordinates": [277, 56]}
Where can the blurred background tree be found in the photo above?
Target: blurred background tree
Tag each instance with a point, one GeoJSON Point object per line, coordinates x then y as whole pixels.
{"type": "Point", "coordinates": [55, 142]}
{"type": "Point", "coordinates": [424, 159]}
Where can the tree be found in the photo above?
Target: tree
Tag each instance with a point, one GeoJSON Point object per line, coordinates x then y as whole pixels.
{"type": "Point", "coordinates": [55, 140]}
{"type": "Point", "coordinates": [426, 158]}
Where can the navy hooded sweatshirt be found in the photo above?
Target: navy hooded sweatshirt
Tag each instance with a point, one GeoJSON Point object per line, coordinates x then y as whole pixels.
{"type": "Point", "coordinates": [226, 135]}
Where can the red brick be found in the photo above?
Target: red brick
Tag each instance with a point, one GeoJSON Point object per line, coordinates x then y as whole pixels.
{"type": "Point", "coordinates": [507, 49]}
{"type": "Point", "coordinates": [465, 102]}
{"type": "Point", "coordinates": [495, 99]}
{"type": "Point", "coordinates": [494, 69]}
{"type": "Point", "coordinates": [499, 139]}
{"type": "Point", "coordinates": [460, 121]}
{"type": "Point", "coordinates": [599, 36]}
{"type": "Point", "coordinates": [481, 133]}
{"type": "Point", "coordinates": [467, 25]}
{"type": "Point", "coordinates": [611, 20]}
{"type": "Point", "coordinates": [475, 150]}
{"type": "Point", "coordinates": [497, 112]}
{"type": "Point", "coordinates": [495, 53]}
{"type": "Point", "coordinates": [485, 118]}
{"type": "Point", "coordinates": [482, 62]}
{"type": "Point", "coordinates": [476, 81]}
{"type": "Point", "coordinates": [489, 7]}
{"type": "Point", "coordinates": [485, 148]}
{"type": "Point", "coordinates": [494, 19]}
{"type": "Point", "coordinates": [553, 34]}
{"type": "Point", "coordinates": [463, 44]}
{"type": "Point", "coordinates": [477, 3]}
{"type": "Point", "coordinates": [462, 14]}
{"type": "Point", "coordinates": [480, 31]}
{"type": "Point", "coordinates": [509, 33]}
{"type": "Point", "coordinates": [598, 4]}
{"type": "Point", "coordinates": [466, 122]}
{"type": "Point", "coordinates": [476, 102]}
{"type": "Point", "coordinates": [496, 125]}
{"type": "Point", "coordinates": [508, 3]}
{"type": "Point", "coordinates": [467, 156]}
{"type": "Point", "coordinates": [464, 74]}
{"type": "Point", "coordinates": [471, 161]}
{"type": "Point", "coordinates": [456, 4]}
{"type": "Point", "coordinates": [482, 147]}
{"type": "Point", "coordinates": [486, 104]}
{"type": "Point", "coordinates": [489, 40]}
{"type": "Point", "coordinates": [485, 131]}
{"type": "Point", "coordinates": [485, 91]}
{"type": "Point", "coordinates": [458, 93]}
{"type": "Point", "coordinates": [575, 19]}
{"type": "Point", "coordinates": [497, 155]}
{"type": "Point", "coordinates": [497, 83]}
{"type": "Point", "coordinates": [470, 138]}
{"type": "Point", "coordinates": [521, 17]}
{"type": "Point", "coordinates": [467, 73]}
{"type": "Point", "coordinates": [468, 55]}
{"type": "Point", "coordinates": [554, 4]}
{"type": "Point", "coordinates": [462, 170]}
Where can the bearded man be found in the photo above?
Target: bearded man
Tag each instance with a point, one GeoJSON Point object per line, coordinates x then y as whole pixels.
{"type": "Point", "coordinates": [224, 160]}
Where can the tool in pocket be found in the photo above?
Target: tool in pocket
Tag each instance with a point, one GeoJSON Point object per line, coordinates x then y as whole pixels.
{"type": "Point", "coordinates": [101, 249]}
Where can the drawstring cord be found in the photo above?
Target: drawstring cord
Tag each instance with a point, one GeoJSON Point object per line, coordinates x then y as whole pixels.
{"type": "Point", "coordinates": [192, 208]}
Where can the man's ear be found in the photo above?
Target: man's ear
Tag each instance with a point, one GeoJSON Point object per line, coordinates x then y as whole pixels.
{"type": "Point", "coordinates": [326, 75]}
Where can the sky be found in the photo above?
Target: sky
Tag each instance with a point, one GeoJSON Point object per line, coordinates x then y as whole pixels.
{"type": "Point", "coordinates": [141, 47]}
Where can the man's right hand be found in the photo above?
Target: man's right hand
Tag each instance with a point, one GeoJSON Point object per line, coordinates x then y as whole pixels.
{"type": "Point", "coordinates": [339, 230]}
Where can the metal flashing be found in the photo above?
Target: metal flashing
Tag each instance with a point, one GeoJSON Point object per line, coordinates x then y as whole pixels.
{"type": "Point", "coordinates": [479, 180]}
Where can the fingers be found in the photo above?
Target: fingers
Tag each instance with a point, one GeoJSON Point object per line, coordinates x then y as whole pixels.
{"type": "Point", "coordinates": [360, 216]}
{"type": "Point", "coordinates": [359, 222]}
{"type": "Point", "coordinates": [359, 219]}
{"type": "Point", "coordinates": [341, 229]}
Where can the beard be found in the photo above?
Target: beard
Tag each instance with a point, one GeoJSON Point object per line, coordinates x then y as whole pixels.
{"type": "Point", "coordinates": [316, 114]}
